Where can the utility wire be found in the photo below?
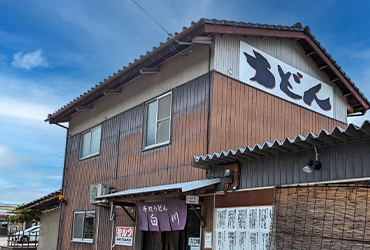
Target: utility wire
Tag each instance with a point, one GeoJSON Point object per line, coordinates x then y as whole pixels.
{"type": "Point", "coordinates": [153, 19]}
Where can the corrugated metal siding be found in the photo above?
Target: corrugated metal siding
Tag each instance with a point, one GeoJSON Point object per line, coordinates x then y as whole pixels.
{"type": "Point", "coordinates": [242, 115]}
{"type": "Point", "coordinates": [123, 164]}
{"type": "Point", "coordinates": [227, 57]}
{"type": "Point", "coordinates": [298, 143]}
{"type": "Point", "coordinates": [175, 72]}
{"type": "Point", "coordinates": [338, 162]}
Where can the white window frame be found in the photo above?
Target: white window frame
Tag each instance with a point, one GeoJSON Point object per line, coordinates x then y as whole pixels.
{"type": "Point", "coordinates": [81, 140]}
{"type": "Point", "coordinates": [82, 240]}
{"type": "Point", "coordinates": [157, 121]}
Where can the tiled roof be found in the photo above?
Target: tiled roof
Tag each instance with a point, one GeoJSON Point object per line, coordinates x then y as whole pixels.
{"type": "Point", "coordinates": [338, 135]}
{"type": "Point", "coordinates": [129, 72]}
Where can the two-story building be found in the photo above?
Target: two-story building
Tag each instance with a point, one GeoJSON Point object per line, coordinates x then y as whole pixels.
{"type": "Point", "coordinates": [215, 86]}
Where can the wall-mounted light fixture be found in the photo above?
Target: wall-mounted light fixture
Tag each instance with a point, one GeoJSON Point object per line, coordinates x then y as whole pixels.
{"type": "Point", "coordinates": [229, 176]}
{"type": "Point", "coordinates": [315, 164]}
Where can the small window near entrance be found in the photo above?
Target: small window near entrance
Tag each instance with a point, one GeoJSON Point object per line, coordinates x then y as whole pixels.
{"type": "Point", "coordinates": [83, 226]}
{"type": "Point", "coordinates": [157, 121]}
{"type": "Point", "coordinates": [90, 143]}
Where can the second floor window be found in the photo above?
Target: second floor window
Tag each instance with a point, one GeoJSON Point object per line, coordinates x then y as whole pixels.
{"type": "Point", "coordinates": [90, 143]}
{"type": "Point", "coordinates": [158, 121]}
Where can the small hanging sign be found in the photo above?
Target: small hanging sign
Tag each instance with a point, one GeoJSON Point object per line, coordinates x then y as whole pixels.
{"type": "Point", "coordinates": [192, 199]}
{"type": "Point", "coordinates": [194, 241]}
{"type": "Point", "coordinates": [208, 240]}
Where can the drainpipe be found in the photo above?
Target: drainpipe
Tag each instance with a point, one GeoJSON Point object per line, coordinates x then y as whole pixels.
{"type": "Point", "coordinates": [62, 204]}
{"type": "Point", "coordinates": [209, 81]}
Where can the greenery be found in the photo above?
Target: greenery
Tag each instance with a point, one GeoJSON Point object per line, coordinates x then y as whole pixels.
{"type": "Point", "coordinates": [24, 215]}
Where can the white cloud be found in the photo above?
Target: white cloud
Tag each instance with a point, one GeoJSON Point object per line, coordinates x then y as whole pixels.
{"type": "Point", "coordinates": [23, 109]}
{"type": "Point", "coordinates": [30, 60]}
{"type": "Point", "coordinates": [5, 184]}
{"type": "Point", "coordinates": [54, 177]}
{"type": "Point", "coordinates": [10, 159]}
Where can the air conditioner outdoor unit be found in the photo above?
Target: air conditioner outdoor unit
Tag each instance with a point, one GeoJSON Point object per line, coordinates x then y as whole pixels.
{"type": "Point", "coordinates": [98, 190]}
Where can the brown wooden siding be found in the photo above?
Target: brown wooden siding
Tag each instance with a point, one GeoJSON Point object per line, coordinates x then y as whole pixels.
{"type": "Point", "coordinates": [244, 116]}
{"type": "Point", "coordinates": [244, 199]}
{"type": "Point", "coordinates": [122, 162]}
{"type": "Point", "coordinates": [207, 215]}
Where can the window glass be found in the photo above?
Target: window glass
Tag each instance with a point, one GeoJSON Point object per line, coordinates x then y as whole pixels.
{"type": "Point", "coordinates": [164, 107]}
{"type": "Point", "coordinates": [89, 225]}
{"type": "Point", "coordinates": [95, 140]}
{"type": "Point", "coordinates": [83, 226]}
{"type": "Point", "coordinates": [163, 131]}
{"type": "Point", "coordinates": [151, 121]}
{"type": "Point", "coordinates": [158, 121]}
{"type": "Point", "coordinates": [78, 225]}
{"type": "Point", "coordinates": [85, 148]}
{"type": "Point", "coordinates": [90, 142]}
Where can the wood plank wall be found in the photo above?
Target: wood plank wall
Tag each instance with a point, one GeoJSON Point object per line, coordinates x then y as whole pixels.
{"type": "Point", "coordinates": [244, 116]}
{"type": "Point", "coordinates": [123, 164]}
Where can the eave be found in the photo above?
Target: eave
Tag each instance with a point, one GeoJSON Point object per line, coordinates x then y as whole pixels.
{"type": "Point", "coordinates": [114, 83]}
{"type": "Point", "coordinates": [357, 103]}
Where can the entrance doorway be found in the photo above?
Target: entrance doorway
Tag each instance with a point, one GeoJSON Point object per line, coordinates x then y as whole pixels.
{"type": "Point", "coordinates": [175, 240]}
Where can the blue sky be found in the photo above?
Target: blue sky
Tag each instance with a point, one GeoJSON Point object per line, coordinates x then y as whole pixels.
{"type": "Point", "coordinates": [53, 51]}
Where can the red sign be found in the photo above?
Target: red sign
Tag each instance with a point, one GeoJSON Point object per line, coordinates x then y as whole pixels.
{"type": "Point", "coordinates": [124, 236]}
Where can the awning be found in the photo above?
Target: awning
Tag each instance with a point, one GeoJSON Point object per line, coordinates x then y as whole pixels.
{"type": "Point", "coordinates": [299, 143]}
{"type": "Point", "coordinates": [183, 187]}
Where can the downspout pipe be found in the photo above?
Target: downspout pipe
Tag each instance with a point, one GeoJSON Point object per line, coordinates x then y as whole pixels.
{"type": "Point", "coordinates": [63, 191]}
{"type": "Point", "coordinates": [209, 81]}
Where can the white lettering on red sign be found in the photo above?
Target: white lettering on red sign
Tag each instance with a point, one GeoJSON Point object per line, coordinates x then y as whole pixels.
{"type": "Point", "coordinates": [124, 236]}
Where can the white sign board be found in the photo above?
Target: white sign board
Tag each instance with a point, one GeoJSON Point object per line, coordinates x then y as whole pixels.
{"type": "Point", "coordinates": [265, 72]}
{"type": "Point", "coordinates": [124, 236]}
{"type": "Point", "coordinates": [192, 199]}
{"type": "Point", "coordinates": [208, 240]}
{"type": "Point", "coordinates": [194, 241]}
{"type": "Point", "coordinates": [243, 228]}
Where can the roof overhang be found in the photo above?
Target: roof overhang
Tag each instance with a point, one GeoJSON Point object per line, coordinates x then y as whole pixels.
{"type": "Point", "coordinates": [170, 190]}
{"type": "Point", "coordinates": [205, 27]}
{"type": "Point", "coordinates": [47, 202]}
{"type": "Point", "coordinates": [299, 143]}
